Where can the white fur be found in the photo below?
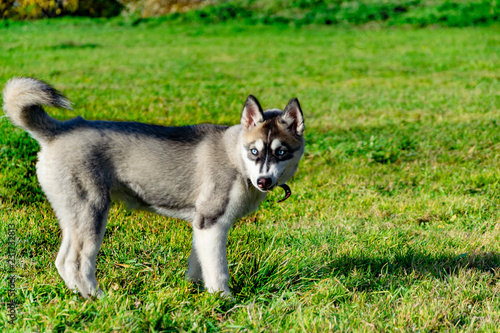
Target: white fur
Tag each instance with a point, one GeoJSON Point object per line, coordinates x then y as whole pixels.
{"type": "Point", "coordinates": [276, 144]}
{"type": "Point", "coordinates": [259, 144]}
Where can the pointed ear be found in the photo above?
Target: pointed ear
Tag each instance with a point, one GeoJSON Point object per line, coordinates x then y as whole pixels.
{"type": "Point", "coordinates": [252, 113]}
{"type": "Point", "coordinates": [293, 118]}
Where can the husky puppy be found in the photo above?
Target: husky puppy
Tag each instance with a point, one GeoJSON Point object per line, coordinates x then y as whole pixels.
{"type": "Point", "coordinates": [206, 174]}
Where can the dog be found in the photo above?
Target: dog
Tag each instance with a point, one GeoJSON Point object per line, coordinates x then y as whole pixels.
{"type": "Point", "coordinates": [208, 175]}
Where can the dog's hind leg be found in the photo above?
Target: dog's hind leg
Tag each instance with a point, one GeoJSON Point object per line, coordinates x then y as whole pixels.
{"type": "Point", "coordinates": [209, 245]}
{"type": "Point", "coordinates": [61, 258]}
{"type": "Point", "coordinates": [79, 193]}
{"type": "Point", "coordinates": [82, 232]}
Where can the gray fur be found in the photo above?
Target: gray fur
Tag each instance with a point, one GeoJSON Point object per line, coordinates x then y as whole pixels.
{"type": "Point", "coordinates": [198, 173]}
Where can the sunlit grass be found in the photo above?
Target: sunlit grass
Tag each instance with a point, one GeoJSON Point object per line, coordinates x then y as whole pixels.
{"type": "Point", "coordinates": [393, 223]}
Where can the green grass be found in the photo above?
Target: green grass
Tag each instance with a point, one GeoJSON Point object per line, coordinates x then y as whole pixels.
{"type": "Point", "coordinates": [394, 221]}
{"type": "Point", "coordinates": [420, 13]}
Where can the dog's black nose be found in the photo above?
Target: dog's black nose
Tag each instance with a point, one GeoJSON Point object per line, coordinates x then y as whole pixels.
{"type": "Point", "coordinates": [264, 182]}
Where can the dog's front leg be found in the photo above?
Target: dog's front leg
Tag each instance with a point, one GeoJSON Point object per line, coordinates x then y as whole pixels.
{"type": "Point", "coordinates": [194, 270]}
{"type": "Point", "coordinates": [209, 247]}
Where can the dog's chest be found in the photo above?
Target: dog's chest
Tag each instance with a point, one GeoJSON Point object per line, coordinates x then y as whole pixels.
{"type": "Point", "coordinates": [244, 199]}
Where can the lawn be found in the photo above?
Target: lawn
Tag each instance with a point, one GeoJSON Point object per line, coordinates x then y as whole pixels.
{"type": "Point", "coordinates": [394, 221]}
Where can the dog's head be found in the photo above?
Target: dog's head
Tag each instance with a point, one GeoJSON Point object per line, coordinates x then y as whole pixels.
{"type": "Point", "coordinates": [273, 143]}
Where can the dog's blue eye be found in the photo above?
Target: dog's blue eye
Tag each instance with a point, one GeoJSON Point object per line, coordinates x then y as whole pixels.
{"type": "Point", "coordinates": [254, 151]}
{"type": "Point", "coordinates": [281, 152]}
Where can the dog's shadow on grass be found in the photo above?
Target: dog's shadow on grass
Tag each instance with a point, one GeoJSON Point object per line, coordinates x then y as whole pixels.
{"type": "Point", "coordinates": [367, 272]}
{"type": "Point", "coordinates": [372, 273]}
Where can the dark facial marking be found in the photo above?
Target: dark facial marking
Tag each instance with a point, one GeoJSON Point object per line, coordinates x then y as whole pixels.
{"type": "Point", "coordinates": [266, 157]}
{"type": "Point", "coordinates": [273, 128]}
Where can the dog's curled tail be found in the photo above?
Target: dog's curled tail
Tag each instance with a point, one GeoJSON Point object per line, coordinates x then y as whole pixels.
{"type": "Point", "coordinates": [23, 98]}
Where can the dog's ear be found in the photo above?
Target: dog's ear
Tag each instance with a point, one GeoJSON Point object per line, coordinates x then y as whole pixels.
{"type": "Point", "coordinates": [252, 113]}
{"type": "Point", "coordinates": [292, 117]}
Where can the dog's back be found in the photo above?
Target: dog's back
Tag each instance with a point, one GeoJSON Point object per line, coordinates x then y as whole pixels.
{"type": "Point", "coordinates": [124, 158]}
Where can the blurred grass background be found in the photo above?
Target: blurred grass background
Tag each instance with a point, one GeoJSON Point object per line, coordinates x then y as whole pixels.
{"type": "Point", "coordinates": [453, 13]}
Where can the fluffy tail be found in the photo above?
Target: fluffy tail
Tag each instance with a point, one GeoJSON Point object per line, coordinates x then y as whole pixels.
{"type": "Point", "coordinates": [23, 99]}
